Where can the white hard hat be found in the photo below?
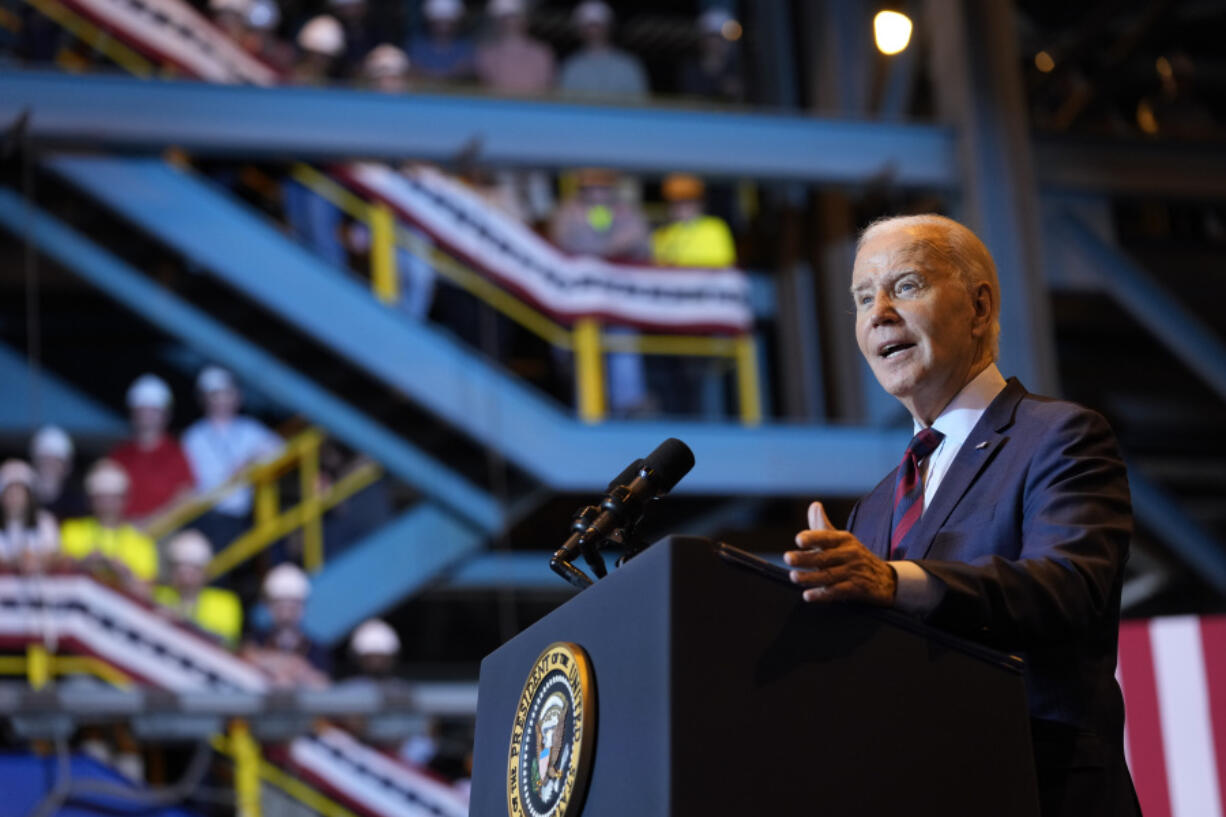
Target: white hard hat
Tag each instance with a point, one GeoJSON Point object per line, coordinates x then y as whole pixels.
{"type": "Point", "coordinates": [215, 378]}
{"type": "Point", "coordinates": [385, 61]}
{"type": "Point", "coordinates": [51, 441]}
{"type": "Point", "coordinates": [189, 547]}
{"type": "Point", "coordinates": [374, 637]}
{"type": "Point", "coordinates": [149, 391]}
{"type": "Point", "coordinates": [16, 472]}
{"type": "Point", "coordinates": [712, 21]}
{"type": "Point", "coordinates": [287, 581]}
{"type": "Point", "coordinates": [443, 9]}
{"type": "Point", "coordinates": [264, 15]}
{"type": "Point", "coordinates": [322, 35]}
{"type": "Point", "coordinates": [592, 12]}
{"type": "Point", "coordinates": [239, 7]}
{"type": "Point", "coordinates": [503, 8]}
{"type": "Point", "coordinates": [107, 477]}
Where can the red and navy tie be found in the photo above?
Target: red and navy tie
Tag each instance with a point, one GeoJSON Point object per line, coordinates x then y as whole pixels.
{"type": "Point", "coordinates": [909, 490]}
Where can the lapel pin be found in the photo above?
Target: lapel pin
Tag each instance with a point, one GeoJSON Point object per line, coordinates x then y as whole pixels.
{"type": "Point", "coordinates": [982, 445]}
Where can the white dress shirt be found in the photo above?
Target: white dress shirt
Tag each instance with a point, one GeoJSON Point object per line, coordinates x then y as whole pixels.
{"type": "Point", "coordinates": [917, 591]}
{"type": "Point", "coordinates": [218, 451]}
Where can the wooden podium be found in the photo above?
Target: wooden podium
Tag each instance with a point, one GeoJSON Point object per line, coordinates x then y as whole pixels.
{"type": "Point", "coordinates": [720, 692]}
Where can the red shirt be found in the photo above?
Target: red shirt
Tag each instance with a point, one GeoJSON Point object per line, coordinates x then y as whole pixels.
{"type": "Point", "coordinates": [157, 474]}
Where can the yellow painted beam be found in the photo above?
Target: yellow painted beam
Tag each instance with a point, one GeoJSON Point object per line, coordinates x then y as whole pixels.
{"type": "Point", "coordinates": [589, 371]}
{"type": "Point", "coordinates": [747, 380]}
{"type": "Point", "coordinates": [383, 277]}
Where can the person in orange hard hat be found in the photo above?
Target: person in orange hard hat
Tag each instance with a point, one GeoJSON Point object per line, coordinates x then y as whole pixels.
{"type": "Point", "coordinates": [691, 238]}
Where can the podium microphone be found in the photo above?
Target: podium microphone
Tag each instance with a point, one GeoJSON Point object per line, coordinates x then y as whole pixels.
{"type": "Point", "coordinates": [622, 508]}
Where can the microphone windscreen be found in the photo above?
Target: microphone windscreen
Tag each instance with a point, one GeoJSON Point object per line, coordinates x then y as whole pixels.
{"type": "Point", "coordinates": [626, 476]}
{"type": "Point", "coordinates": [671, 460]}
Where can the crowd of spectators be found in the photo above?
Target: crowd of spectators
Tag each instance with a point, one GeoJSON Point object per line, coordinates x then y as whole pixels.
{"type": "Point", "coordinates": [99, 524]}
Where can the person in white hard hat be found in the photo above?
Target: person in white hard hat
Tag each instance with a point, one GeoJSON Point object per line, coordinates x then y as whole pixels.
{"type": "Point", "coordinates": [56, 490]}
{"type": "Point", "coordinates": [321, 44]}
{"type": "Point", "coordinates": [375, 648]}
{"type": "Point", "coordinates": [598, 69]}
{"type": "Point", "coordinates": [715, 73]}
{"type": "Point", "coordinates": [216, 611]}
{"type": "Point", "coordinates": [29, 537]}
{"type": "Point", "coordinates": [155, 463]}
{"type": "Point", "coordinates": [105, 543]}
{"type": "Point", "coordinates": [283, 650]}
{"type": "Point", "coordinates": [512, 61]}
{"type": "Point", "coordinates": [220, 445]}
{"type": "Point", "coordinates": [386, 69]}
{"type": "Point", "coordinates": [442, 54]}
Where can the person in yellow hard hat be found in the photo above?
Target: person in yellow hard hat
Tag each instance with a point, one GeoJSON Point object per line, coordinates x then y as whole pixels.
{"type": "Point", "coordinates": [105, 543]}
{"type": "Point", "coordinates": [691, 238]}
{"type": "Point", "coordinates": [212, 609]}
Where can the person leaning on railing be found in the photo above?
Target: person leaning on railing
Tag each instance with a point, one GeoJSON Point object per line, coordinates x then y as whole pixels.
{"type": "Point", "coordinates": [152, 458]}
{"type": "Point", "coordinates": [105, 543]}
{"type": "Point", "coordinates": [29, 537]}
{"type": "Point", "coordinates": [220, 445]}
{"type": "Point", "coordinates": [283, 651]}
{"type": "Point", "coordinates": [214, 610]}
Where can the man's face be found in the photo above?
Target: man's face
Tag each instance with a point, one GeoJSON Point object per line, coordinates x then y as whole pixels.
{"type": "Point", "coordinates": [149, 419]}
{"type": "Point", "coordinates": [51, 468]}
{"type": "Point", "coordinates": [187, 577]}
{"type": "Point", "coordinates": [108, 507]}
{"type": "Point", "coordinates": [221, 404]}
{"type": "Point", "coordinates": [916, 324]}
{"type": "Point", "coordinates": [286, 613]}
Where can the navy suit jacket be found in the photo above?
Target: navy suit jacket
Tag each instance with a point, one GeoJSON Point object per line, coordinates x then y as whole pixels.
{"type": "Point", "coordinates": [1027, 536]}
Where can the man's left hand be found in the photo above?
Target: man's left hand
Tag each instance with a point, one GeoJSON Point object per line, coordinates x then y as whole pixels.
{"type": "Point", "coordinates": [835, 566]}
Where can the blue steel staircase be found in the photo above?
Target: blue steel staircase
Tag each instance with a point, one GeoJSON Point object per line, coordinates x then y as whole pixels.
{"type": "Point", "coordinates": [406, 393]}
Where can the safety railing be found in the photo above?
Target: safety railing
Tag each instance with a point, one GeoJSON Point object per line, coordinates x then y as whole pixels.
{"type": "Point", "coordinates": [271, 521]}
{"type": "Point", "coordinates": [586, 338]}
{"type": "Point", "coordinates": [96, 38]}
{"type": "Point", "coordinates": [236, 743]}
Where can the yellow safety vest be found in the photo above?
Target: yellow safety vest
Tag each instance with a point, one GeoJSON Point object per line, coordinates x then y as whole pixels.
{"type": "Point", "coordinates": [702, 242]}
{"type": "Point", "coordinates": [81, 537]}
{"type": "Point", "coordinates": [215, 610]}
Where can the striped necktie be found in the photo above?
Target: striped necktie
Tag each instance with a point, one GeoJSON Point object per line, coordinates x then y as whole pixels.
{"type": "Point", "coordinates": [909, 490]}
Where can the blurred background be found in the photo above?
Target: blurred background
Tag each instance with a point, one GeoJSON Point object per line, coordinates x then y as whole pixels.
{"type": "Point", "coordinates": [320, 319]}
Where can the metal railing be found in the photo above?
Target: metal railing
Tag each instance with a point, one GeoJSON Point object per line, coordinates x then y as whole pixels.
{"type": "Point", "coordinates": [585, 338]}
{"type": "Point", "coordinates": [270, 520]}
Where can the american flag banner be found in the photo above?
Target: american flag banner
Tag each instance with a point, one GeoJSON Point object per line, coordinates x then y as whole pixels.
{"type": "Point", "coordinates": [1173, 674]}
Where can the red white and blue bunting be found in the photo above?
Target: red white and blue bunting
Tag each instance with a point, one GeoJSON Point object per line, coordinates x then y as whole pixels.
{"type": "Point", "coordinates": [176, 35]}
{"type": "Point", "coordinates": [74, 614]}
{"type": "Point", "coordinates": [563, 286]}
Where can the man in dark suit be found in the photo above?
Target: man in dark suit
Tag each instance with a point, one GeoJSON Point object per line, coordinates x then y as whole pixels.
{"type": "Point", "coordinates": [1008, 520]}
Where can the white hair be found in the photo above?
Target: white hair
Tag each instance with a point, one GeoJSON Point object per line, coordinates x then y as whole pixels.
{"type": "Point", "coordinates": [954, 245]}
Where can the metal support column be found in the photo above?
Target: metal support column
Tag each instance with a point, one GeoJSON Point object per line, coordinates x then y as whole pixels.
{"type": "Point", "coordinates": [975, 72]}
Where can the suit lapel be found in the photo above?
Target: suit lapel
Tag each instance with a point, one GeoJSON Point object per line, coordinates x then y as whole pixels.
{"type": "Point", "coordinates": [984, 440]}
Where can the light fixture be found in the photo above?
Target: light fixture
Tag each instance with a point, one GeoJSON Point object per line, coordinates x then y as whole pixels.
{"type": "Point", "coordinates": [892, 31]}
{"type": "Point", "coordinates": [1044, 62]}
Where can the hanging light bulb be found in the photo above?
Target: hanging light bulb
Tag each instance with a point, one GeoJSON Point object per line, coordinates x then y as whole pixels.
{"type": "Point", "coordinates": [892, 31]}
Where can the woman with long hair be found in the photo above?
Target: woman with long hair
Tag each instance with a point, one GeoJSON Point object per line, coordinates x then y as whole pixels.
{"type": "Point", "coordinates": [29, 536]}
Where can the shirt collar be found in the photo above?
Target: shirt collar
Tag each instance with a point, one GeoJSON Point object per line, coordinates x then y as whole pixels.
{"type": "Point", "coordinates": [964, 411]}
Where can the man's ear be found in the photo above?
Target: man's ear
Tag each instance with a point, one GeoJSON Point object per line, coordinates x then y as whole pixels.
{"type": "Point", "coordinates": [983, 301]}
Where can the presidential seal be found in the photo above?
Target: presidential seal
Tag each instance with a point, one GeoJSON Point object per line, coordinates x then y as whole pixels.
{"type": "Point", "coordinates": [552, 737]}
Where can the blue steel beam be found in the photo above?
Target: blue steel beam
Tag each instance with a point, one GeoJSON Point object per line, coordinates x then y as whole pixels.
{"type": "Point", "coordinates": [166, 311]}
{"type": "Point", "coordinates": [35, 397]}
{"type": "Point", "coordinates": [1164, 518]}
{"type": "Point", "coordinates": [458, 386]}
{"type": "Point", "coordinates": [391, 564]}
{"type": "Point", "coordinates": [314, 123]}
{"type": "Point", "coordinates": [1187, 336]}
